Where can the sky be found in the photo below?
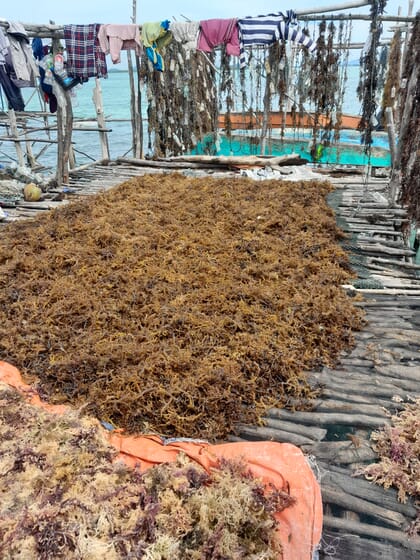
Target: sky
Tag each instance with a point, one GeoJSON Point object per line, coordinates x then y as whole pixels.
{"type": "Point", "coordinates": [121, 11]}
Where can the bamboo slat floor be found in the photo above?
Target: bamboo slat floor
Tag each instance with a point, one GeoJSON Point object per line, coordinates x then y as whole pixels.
{"type": "Point", "coordinates": [382, 370]}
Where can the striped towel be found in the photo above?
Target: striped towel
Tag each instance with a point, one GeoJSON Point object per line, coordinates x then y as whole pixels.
{"type": "Point", "coordinates": [85, 58]}
{"type": "Point", "coordinates": [266, 30]}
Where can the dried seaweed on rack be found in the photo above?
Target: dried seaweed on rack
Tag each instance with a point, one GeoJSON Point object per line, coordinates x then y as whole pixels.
{"type": "Point", "coordinates": [226, 90]}
{"type": "Point", "coordinates": [64, 496]}
{"type": "Point", "coordinates": [176, 305]}
{"type": "Point", "coordinates": [323, 89]}
{"type": "Point", "coordinates": [182, 100]}
{"type": "Point", "coordinates": [409, 140]}
{"type": "Point", "coordinates": [369, 75]}
{"type": "Point", "coordinates": [392, 82]}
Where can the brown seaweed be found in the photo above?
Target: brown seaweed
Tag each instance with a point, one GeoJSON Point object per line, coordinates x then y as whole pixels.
{"type": "Point", "coordinates": [175, 305]}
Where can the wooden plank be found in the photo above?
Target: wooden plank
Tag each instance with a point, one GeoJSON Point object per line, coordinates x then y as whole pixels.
{"type": "Point", "coordinates": [365, 530]}
{"type": "Point", "coordinates": [328, 419]}
{"type": "Point", "coordinates": [260, 433]}
{"type": "Point", "coordinates": [348, 407]}
{"type": "Point", "coordinates": [377, 391]}
{"type": "Point", "coordinates": [338, 395]}
{"type": "Point", "coordinates": [394, 371]}
{"type": "Point", "coordinates": [345, 546]}
{"type": "Point", "coordinates": [311, 432]}
{"type": "Point", "coordinates": [339, 477]}
{"type": "Point", "coordinates": [341, 498]}
{"type": "Point", "coordinates": [340, 452]}
{"type": "Point", "coordinates": [349, 376]}
{"type": "Point", "coordinates": [400, 371]}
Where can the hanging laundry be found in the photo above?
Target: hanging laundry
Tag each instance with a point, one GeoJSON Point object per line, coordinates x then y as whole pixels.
{"type": "Point", "coordinates": [39, 53]}
{"type": "Point", "coordinates": [155, 37]}
{"type": "Point", "coordinates": [25, 70]}
{"type": "Point", "coordinates": [85, 58]}
{"type": "Point", "coordinates": [186, 32]}
{"type": "Point", "coordinates": [215, 32]}
{"type": "Point", "coordinates": [11, 91]}
{"type": "Point", "coordinates": [114, 38]}
{"type": "Point", "coordinates": [266, 30]}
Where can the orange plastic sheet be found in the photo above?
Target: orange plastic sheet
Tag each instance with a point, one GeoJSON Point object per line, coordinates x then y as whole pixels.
{"type": "Point", "coordinates": [300, 526]}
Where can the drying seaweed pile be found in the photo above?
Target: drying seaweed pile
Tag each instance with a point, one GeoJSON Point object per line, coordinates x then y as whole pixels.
{"type": "Point", "coordinates": [176, 305]}
{"type": "Point", "coordinates": [398, 447]}
{"type": "Point", "coordinates": [64, 496]}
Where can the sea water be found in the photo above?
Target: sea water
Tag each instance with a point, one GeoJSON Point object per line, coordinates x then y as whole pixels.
{"type": "Point", "coordinates": [116, 106]}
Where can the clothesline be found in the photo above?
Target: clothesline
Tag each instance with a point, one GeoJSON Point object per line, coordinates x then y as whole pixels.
{"type": "Point", "coordinates": [88, 44]}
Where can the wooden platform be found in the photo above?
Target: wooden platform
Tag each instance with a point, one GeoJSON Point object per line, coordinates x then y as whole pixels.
{"type": "Point", "coordinates": [362, 520]}
{"type": "Point", "coordinates": [382, 371]}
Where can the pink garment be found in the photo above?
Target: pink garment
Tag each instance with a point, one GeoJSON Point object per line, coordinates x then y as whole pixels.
{"type": "Point", "coordinates": [215, 32]}
{"type": "Point", "coordinates": [113, 38]}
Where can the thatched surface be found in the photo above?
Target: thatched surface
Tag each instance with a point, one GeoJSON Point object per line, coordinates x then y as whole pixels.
{"type": "Point", "coordinates": [177, 305]}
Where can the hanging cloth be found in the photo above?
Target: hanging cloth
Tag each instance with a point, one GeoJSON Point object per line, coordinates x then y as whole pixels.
{"type": "Point", "coordinates": [25, 70]}
{"type": "Point", "coordinates": [11, 91]}
{"type": "Point", "coordinates": [266, 30]}
{"type": "Point", "coordinates": [85, 58]}
{"type": "Point", "coordinates": [39, 53]}
{"type": "Point", "coordinates": [186, 33]}
{"type": "Point", "coordinates": [155, 37]}
{"type": "Point", "coordinates": [114, 38]}
{"type": "Point", "coordinates": [215, 32]}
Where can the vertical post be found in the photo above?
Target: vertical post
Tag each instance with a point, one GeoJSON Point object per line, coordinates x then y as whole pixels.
{"type": "Point", "coordinates": [267, 107]}
{"type": "Point", "coordinates": [68, 129]}
{"type": "Point", "coordinates": [29, 154]}
{"type": "Point", "coordinates": [15, 136]}
{"type": "Point", "coordinates": [100, 117]}
{"type": "Point", "coordinates": [60, 124]}
{"type": "Point", "coordinates": [133, 107]}
{"type": "Point", "coordinates": [391, 134]}
{"type": "Point", "coordinates": [135, 103]}
{"type": "Point", "coordinates": [139, 109]}
{"type": "Point", "coordinates": [64, 128]}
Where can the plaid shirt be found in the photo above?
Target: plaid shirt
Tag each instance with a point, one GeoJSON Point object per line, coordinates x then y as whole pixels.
{"type": "Point", "coordinates": [85, 58]}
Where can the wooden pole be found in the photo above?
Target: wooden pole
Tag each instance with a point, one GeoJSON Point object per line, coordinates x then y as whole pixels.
{"type": "Point", "coordinates": [334, 7]}
{"type": "Point", "coordinates": [139, 108]}
{"type": "Point", "coordinates": [391, 134]}
{"type": "Point", "coordinates": [68, 130]}
{"type": "Point", "coordinates": [133, 106]}
{"type": "Point", "coordinates": [29, 154]}
{"type": "Point", "coordinates": [15, 135]}
{"type": "Point", "coordinates": [136, 124]}
{"type": "Point", "coordinates": [266, 113]}
{"type": "Point", "coordinates": [100, 117]}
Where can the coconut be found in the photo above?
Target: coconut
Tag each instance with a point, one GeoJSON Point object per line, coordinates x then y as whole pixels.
{"type": "Point", "coordinates": [32, 192]}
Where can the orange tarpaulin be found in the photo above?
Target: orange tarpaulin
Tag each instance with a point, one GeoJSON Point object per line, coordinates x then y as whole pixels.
{"type": "Point", "coordinates": [300, 525]}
